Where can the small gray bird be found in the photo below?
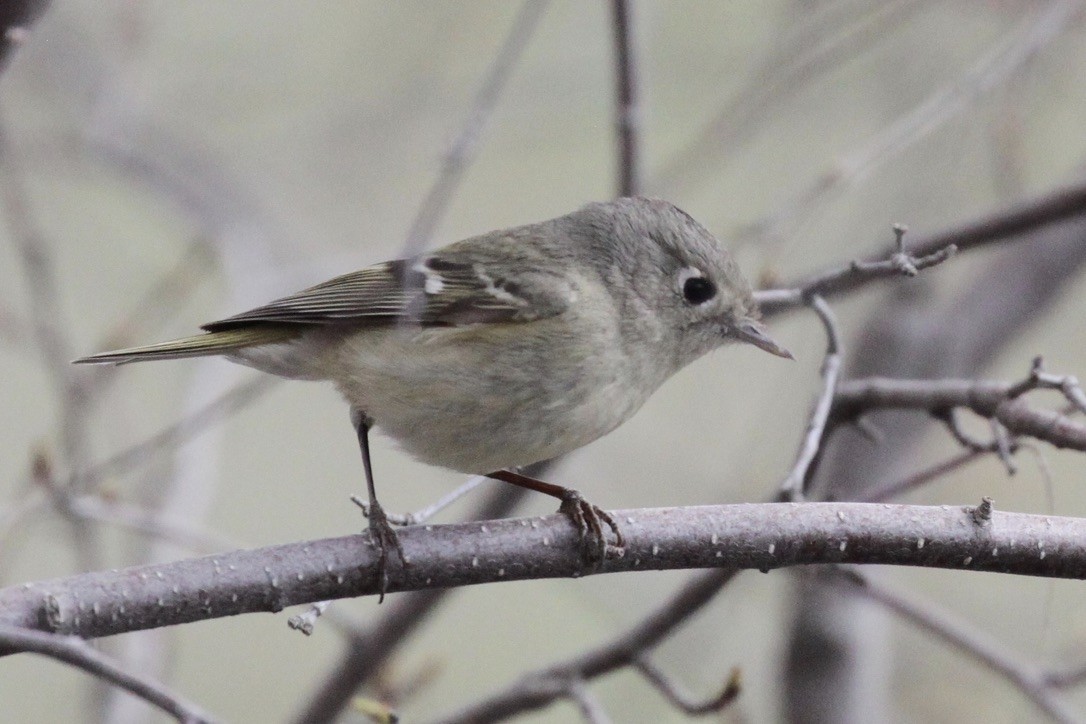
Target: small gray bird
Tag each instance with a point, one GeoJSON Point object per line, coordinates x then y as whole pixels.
{"type": "Point", "coordinates": [503, 349]}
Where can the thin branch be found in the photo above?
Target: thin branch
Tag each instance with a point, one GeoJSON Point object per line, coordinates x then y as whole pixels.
{"type": "Point", "coordinates": [76, 652]}
{"type": "Point", "coordinates": [793, 487]}
{"type": "Point", "coordinates": [1028, 679]}
{"type": "Point", "coordinates": [683, 701]}
{"type": "Point", "coordinates": [1052, 208]}
{"type": "Point", "coordinates": [179, 432]}
{"type": "Point", "coordinates": [591, 708]}
{"type": "Point", "coordinates": [923, 477]}
{"type": "Point", "coordinates": [857, 273]}
{"type": "Point", "coordinates": [627, 100]}
{"type": "Point", "coordinates": [1030, 37]}
{"type": "Point", "coordinates": [424, 514]}
{"type": "Point", "coordinates": [759, 536]}
{"type": "Point", "coordinates": [462, 151]}
{"type": "Point", "coordinates": [820, 46]}
{"type": "Point", "coordinates": [540, 688]}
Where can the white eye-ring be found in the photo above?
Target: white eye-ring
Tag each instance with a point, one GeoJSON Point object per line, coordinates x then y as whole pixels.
{"type": "Point", "coordinates": [696, 288]}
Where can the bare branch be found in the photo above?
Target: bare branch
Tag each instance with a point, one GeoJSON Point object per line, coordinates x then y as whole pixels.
{"type": "Point", "coordinates": [462, 151]}
{"type": "Point", "coordinates": [684, 702]}
{"type": "Point", "coordinates": [627, 100]}
{"type": "Point", "coordinates": [793, 487]}
{"type": "Point", "coordinates": [1029, 679]}
{"type": "Point", "coordinates": [989, 399]}
{"type": "Point", "coordinates": [760, 536]}
{"type": "Point", "coordinates": [1055, 207]}
{"type": "Point", "coordinates": [75, 651]}
{"type": "Point", "coordinates": [368, 649]}
{"type": "Point", "coordinates": [1031, 36]}
{"type": "Point", "coordinates": [923, 477]}
{"type": "Point", "coordinates": [823, 42]}
{"type": "Point", "coordinates": [233, 400]}
{"type": "Point", "coordinates": [538, 689]}
{"type": "Point", "coordinates": [591, 708]}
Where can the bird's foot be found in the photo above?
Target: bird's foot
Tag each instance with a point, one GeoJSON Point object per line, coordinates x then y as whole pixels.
{"type": "Point", "coordinates": [384, 538]}
{"type": "Point", "coordinates": [589, 519]}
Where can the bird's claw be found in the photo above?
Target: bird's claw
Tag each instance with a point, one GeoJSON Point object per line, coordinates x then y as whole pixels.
{"type": "Point", "coordinates": [588, 519]}
{"type": "Point", "coordinates": [383, 537]}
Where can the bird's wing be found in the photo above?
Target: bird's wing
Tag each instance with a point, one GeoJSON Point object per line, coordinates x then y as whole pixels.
{"type": "Point", "coordinates": [448, 287]}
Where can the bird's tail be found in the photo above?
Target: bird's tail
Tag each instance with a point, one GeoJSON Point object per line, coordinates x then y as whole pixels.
{"type": "Point", "coordinates": [201, 345]}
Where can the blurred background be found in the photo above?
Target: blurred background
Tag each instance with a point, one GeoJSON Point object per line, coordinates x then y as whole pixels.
{"type": "Point", "coordinates": [167, 164]}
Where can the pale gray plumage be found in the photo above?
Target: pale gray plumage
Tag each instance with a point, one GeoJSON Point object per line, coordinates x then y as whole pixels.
{"type": "Point", "coordinates": [506, 348]}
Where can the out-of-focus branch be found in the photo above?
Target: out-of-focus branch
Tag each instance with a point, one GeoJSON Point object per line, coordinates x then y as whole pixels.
{"type": "Point", "coordinates": [16, 17]}
{"type": "Point", "coordinates": [627, 100]}
{"type": "Point", "coordinates": [543, 686]}
{"type": "Point", "coordinates": [1032, 35]}
{"type": "Point", "coordinates": [78, 653]}
{"type": "Point", "coordinates": [827, 37]}
{"type": "Point", "coordinates": [462, 151]}
{"type": "Point", "coordinates": [1028, 678]}
{"type": "Point", "coordinates": [760, 536]}
{"type": "Point", "coordinates": [683, 701]}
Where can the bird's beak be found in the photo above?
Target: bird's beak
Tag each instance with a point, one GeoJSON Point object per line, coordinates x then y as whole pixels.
{"type": "Point", "coordinates": [754, 333]}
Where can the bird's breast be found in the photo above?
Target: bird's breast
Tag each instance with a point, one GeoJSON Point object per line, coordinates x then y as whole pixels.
{"type": "Point", "coordinates": [478, 399]}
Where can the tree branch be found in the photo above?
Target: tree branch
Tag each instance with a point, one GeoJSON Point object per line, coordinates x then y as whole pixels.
{"type": "Point", "coordinates": [75, 651]}
{"type": "Point", "coordinates": [1052, 208]}
{"type": "Point", "coordinates": [994, 400]}
{"type": "Point", "coordinates": [759, 536]}
{"type": "Point", "coordinates": [627, 108]}
{"type": "Point", "coordinates": [543, 686]}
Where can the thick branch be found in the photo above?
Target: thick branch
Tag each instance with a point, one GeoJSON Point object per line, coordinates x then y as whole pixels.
{"type": "Point", "coordinates": [759, 536]}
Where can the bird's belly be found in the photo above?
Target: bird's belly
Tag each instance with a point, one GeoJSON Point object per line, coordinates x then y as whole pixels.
{"type": "Point", "coordinates": [474, 413]}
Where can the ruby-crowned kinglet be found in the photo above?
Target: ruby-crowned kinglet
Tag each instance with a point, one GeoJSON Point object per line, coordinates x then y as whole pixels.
{"type": "Point", "coordinates": [503, 349]}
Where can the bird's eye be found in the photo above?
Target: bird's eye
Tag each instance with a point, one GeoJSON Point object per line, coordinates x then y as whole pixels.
{"type": "Point", "coordinates": [698, 290]}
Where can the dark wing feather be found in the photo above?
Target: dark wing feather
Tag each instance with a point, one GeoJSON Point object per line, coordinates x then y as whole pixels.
{"type": "Point", "coordinates": [448, 287]}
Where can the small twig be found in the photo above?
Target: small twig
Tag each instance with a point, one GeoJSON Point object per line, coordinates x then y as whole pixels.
{"type": "Point", "coordinates": [462, 150]}
{"type": "Point", "coordinates": [899, 263]}
{"type": "Point", "coordinates": [627, 108]}
{"type": "Point", "coordinates": [1006, 58]}
{"type": "Point", "coordinates": [982, 514]}
{"type": "Point", "coordinates": [197, 423]}
{"type": "Point", "coordinates": [916, 480]}
{"type": "Point", "coordinates": [591, 708]}
{"type": "Point", "coordinates": [1066, 677]}
{"type": "Point", "coordinates": [306, 620]}
{"type": "Point", "coordinates": [821, 44]}
{"type": "Point", "coordinates": [793, 486]}
{"type": "Point", "coordinates": [1052, 208]}
{"type": "Point", "coordinates": [537, 690]}
{"type": "Point", "coordinates": [1038, 379]}
{"type": "Point", "coordinates": [1027, 678]}
{"type": "Point", "coordinates": [949, 417]}
{"type": "Point", "coordinates": [424, 514]}
{"type": "Point", "coordinates": [683, 701]}
{"type": "Point", "coordinates": [75, 651]}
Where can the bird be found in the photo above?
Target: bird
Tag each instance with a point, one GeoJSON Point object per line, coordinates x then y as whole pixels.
{"type": "Point", "coordinates": [504, 349]}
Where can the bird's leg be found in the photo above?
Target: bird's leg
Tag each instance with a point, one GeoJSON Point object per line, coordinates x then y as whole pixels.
{"type": "Point", "coordinates": [381, 533]}
{"type": "Point", "coordinates": [587, 518]}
